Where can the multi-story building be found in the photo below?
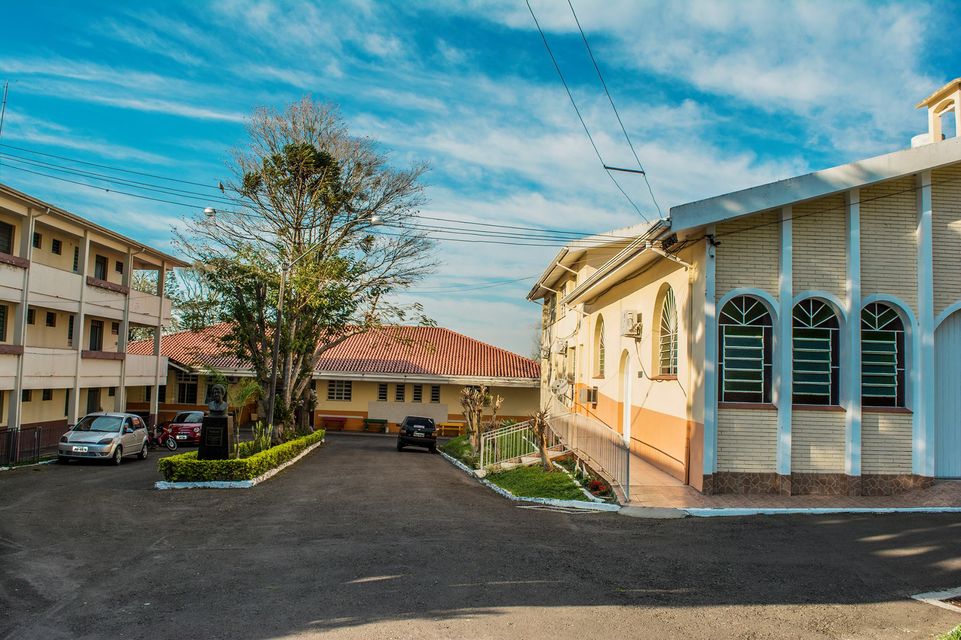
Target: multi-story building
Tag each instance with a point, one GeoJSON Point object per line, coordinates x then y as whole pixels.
{"type": "Point", "coordinates": [67, 308]}
{"type": "Point", "coordinates": [795, 337]}
{"type": "Point", "coordinates": [370, 381]}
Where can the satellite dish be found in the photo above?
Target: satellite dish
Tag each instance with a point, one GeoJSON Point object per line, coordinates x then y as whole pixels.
{"type": "Point", "coordinates": [560, 386]}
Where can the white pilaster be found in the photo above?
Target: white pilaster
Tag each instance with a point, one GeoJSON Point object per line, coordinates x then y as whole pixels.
{"type": "Point", "coordinates": [120, 401]}
{"type": "Point", "coordinates": [851, 354]}
{"type": "Point", "coordinates": [14, 417]}
{"type": "Point", "coordinates": [157, 336]}
{"type": "Point", "coordinates": [78, 336]}
{"type": "Point", "coordinates": [923, 459]}
{"type": "Point", "coordinates": [710, 357]}
{"type": "Point", "coordinates": [784, 358]}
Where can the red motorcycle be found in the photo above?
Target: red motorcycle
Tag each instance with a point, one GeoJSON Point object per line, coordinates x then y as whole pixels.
{"type": "Point", "coordinates": [164, 439]}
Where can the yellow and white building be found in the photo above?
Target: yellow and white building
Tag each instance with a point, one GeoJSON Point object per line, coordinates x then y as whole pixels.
{"type": "Point", "coordinates": [66, 310]}
{"type": "Point", "coordinates": [802, 336]}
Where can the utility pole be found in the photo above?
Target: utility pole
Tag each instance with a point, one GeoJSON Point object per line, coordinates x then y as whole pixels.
{"type": "Point", "coordinates": [3, 109]}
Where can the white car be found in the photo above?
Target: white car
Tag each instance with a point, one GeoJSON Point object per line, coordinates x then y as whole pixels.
{"type": "Point", "coordinates": [104, 436]}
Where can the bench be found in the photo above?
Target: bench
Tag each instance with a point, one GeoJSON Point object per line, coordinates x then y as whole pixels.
{"type": "Point", "coordinates": [450, 429]}
{"type": "Point", "coordinates": [333, 424]}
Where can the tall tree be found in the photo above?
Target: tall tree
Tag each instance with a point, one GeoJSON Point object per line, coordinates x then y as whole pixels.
{"type": "Point", "coordinates": [307, 198]}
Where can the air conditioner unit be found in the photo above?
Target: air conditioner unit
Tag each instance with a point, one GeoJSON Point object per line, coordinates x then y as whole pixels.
{"type": "Point", "coordinates": [631, 324]}
{"type": "Point", "coordinates": [588, 396]}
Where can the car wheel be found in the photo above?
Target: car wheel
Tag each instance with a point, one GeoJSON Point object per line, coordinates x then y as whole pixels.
{"type": "Point", "coordinates": [433, 448]}
{"type": "Point", "coordinates": [400, 447]}
{"type": "Point", "coordinates": [117, 455]}
{"type": "Point", "coordinates": [62, 460]}
{"type": "Point", "coordinates": [143, 452]}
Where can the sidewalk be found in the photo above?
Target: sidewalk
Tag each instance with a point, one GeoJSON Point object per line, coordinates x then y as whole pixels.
{"type": "Point", "coordinates": [651, 487]}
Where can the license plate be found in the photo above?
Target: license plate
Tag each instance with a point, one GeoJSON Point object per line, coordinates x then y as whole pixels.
{"type": "Point", "coordinates": [181, 437]}
{"type": "Point", "coordinates": [79, 449]}
{"type": "Point", "coordinates": [418, 434]}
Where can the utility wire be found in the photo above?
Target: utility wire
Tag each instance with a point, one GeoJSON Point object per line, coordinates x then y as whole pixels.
{"type": "Point", "coordinates": [616, 113]}
{"type": "Point", "coordinates": [578, 112]}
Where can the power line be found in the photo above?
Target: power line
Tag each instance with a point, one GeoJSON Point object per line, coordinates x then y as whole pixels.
{"type": "Point", "coordinates": [616, 113]}
{"type": "Point", "coordinates": [578, 112]}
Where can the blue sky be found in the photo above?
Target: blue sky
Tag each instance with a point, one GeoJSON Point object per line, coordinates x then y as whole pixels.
{"type": "Point", "coordinates": [716, 96]}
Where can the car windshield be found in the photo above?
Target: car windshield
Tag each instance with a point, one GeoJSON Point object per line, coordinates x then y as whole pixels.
{"type": "Point", "coordinates": [99, 423]}
{"type": "Point", "coordinates": [188, 416]}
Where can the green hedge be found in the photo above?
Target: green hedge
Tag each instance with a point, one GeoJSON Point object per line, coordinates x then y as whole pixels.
{"type": "Point", "coordinates": [187, 468]}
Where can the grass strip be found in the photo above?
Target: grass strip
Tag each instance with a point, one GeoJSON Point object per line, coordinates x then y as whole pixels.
{"type": "Point", "coordinates": [534, 482]}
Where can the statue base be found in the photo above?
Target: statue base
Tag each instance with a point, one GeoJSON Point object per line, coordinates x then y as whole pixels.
{"type": "Point", "coordinates": [218, 438]}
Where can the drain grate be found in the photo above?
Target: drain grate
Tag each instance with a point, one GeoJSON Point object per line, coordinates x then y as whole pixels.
{"type": "Point", "coordinates": [949, 599]}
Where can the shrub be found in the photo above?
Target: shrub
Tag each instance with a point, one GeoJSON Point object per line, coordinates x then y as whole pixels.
{"type": "Point", "coordinates": [251, 463]}
{"type": "Point", "coordinates": [461, 449]}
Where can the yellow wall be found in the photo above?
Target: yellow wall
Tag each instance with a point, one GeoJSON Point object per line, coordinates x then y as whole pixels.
{"type": "Point", "coordinates": [40, 335]}
{"type": "Point", "coordinates": [109, 338]}
{"type": "Point", "coordinates": [112, 258]}
{"type": "Point", "coordinates": [946, 229]}
{"type": "Point", "coordinates": [747, 440]}
{"type": "Point", "coordinates": [18, 223]}
{"type": "Point", "coordinates": [817, 441]}
{"type": "Point", "coordinates": [886, 440]}
{"type": "Point", "coordinates": [40, 410]}
{"type": "Point", "coordinates": [45, 255]}
{"type": "Point", "coordinates": [748, 254]}
{"type": "Point", "coordinates": [889, 255]}
{"type": "Point", "coordinates": [820, 245]}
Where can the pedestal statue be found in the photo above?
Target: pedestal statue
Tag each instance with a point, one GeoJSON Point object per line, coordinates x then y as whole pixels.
{"type": "Point", "coordinates": [217, 435]}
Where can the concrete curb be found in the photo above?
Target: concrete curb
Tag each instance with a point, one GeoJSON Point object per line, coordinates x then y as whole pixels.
{"type": "Point", "coordinates": [237, 484]}
{"type": "Point", "coordinates": [573, 504]}
{"type": "Point", "coordinates": [706, 512]}
{"type": "Point", "coordinates": [32, 464]}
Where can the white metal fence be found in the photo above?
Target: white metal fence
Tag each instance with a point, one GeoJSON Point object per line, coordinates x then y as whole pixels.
{"type": "Point", "coordinates": [510, 443]}
{"type": "Point", "coordinates": [597, 444]}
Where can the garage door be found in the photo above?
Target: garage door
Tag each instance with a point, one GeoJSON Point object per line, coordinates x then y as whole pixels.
{"type": "Point", "coordinates": [947, 441]}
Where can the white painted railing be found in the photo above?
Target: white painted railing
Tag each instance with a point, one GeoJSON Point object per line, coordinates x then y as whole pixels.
{"type": "Point", "coordinates": [598, 445]}
{"type": "Point", "coordinates": [511, 444]}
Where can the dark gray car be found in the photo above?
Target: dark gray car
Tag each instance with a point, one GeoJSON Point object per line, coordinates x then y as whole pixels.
{"type": "Point", "coordinates": [104, 436]}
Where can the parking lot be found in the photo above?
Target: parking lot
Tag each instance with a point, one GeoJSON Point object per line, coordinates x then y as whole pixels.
{"type": "Point", "coordinates": [360, 541]}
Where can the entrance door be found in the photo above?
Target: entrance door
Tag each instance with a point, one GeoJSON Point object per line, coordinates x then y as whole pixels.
{"type": "Point", "coordinates": [93, 399]}
{"type": "Point", "coordinates": [947, 403]}
{"type": "Point", "coordinates": [626, 376]}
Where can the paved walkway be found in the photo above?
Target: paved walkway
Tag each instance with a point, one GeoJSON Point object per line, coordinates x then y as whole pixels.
{"type": "Point", "coordinates": [651, 487]}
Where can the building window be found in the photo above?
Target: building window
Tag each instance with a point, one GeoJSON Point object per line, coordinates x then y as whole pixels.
{"type": "Point", "coordinates": [882, 356]}
{"type": "Point", "coordinates": [115, 328]}
{"type": "Point", "coordinates": [667, 336]}
{"type": "Point", "coordinates": [119, 267]}
{"type": "Point", "coordinates": [6, 238]}
{"type": "Point", "coordinates": [339, 390]}
{"type": "Point", "coordinates": [70, 322]}
{"type": "Point", "coordinates": [76, 259]}
{"type": "Point", "coordinates": [37, 240]}
{"type": "Point", "coordinates": [56, 246]}
{"type": "Point", "coordinates": [96, 335]}
{"type": "Point", "coordinates": [418, 393]}
{"type": "Point", "coordinates": [112, 391]}
{"type": "Point", "coordinates": [51, 319]}
{"type": "Point", "coordinates": [100, 268]}
{"type": "Point", "coordinates": [161, 396]}
{"type": "Point", "coordinates": [816, 353]}
{"type": "Point", "coordinates": [599, 348]}
{"type": "Point", "coordinates": [400, 393]}
{"type": "Point", "coordinates": [745, 352]}
{"type": "Point", "coordinates": [435, 393]}
{"type": "Point", "coordinates": [382, 391]}
{"type": "Point", "coordinates": [25, 395]}
{"type": "Point", "coordinates": [46, 394]}
{"type": "Point", "coordinates": [186, 388]}
{"type": "Point", "coordinates": [31, 316]}
{"type": "Point", "coordinates": [3, 323]}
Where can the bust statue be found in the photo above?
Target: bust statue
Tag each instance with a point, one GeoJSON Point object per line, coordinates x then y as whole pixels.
{"type": "Point", "coordinates": [218, 400]}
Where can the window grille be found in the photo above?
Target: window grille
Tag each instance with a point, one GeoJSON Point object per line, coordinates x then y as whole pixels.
{"type": "Point", "coordinates": [745, 353]}
{"type": "Point", "coordinates": [816, 353]}
{"type": "Point", "coordinates": [339, 390]}
{"type": "Point", "coordinates": [882, 356]}
{"type": "Point", "coordinates": [667, 339]}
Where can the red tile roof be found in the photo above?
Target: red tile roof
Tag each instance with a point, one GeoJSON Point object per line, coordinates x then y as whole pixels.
{"type": "Point", "coordinates": [428, 351]}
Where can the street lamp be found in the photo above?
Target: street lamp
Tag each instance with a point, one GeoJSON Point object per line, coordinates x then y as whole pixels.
{"type": "Point", "coordinates": [285, 268]}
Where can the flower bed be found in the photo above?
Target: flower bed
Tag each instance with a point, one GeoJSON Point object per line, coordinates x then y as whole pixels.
{"type": "Point", "coordinates": [251, 463]}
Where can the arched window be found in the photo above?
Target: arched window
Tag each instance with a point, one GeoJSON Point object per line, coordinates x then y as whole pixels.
{"type": "Point", "coordinates": [816, 353]}
{"type": "Point", "coordinates": [745, 351]}
{"type": "Point", "coordinates": [599, 348]}
{"type": "Point", "coordinates": [882, 356]}
{"type": "Point", "coordinates": [667, 335]}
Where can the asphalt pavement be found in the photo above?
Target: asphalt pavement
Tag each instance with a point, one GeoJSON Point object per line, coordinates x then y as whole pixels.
{"type": "Point", "coordinates": [361, 541]}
